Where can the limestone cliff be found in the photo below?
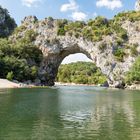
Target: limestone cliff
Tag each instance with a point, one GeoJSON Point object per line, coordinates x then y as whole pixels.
{"type": "Point", "coordinates": [137, 5]}
{"type": "Point", "coordinates": [114, 52]}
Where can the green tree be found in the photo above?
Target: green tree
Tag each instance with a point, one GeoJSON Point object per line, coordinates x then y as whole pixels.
{"type": "Point", "coordinates": [133, 76]}
{"type": "Point", "coordinates": [10, 76]}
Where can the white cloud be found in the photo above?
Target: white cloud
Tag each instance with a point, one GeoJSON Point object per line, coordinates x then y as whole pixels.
{"type": "Point", "coordinates": [79, 16]}
{"type": "Point", "coordinates": [72, 5]}
{"type": "Point", "coordinates": [110, 4]}
{"type": "Point", "coordinates": [30, 3]}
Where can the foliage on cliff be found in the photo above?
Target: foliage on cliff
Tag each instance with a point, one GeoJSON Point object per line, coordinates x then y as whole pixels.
{"type": "Point", "coordinates": [21, 58]}
{"type": "Point", "coordinates": [93, 30]}
{"type": "Point", "coordinates": [7, 24]}
{"type": "Point", "coordinates": [133, 76]}
{"type": "Point", "coordinates": [97, 29]}
{"type": "Point", "coordinates": [80, 73]}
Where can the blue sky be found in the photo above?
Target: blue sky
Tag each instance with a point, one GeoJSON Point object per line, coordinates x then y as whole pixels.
{"type": "Point", "coordinates": [69, 9]}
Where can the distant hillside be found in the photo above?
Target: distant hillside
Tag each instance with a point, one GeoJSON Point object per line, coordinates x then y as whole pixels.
{"type": "Point", "coordinates": [80, 73]}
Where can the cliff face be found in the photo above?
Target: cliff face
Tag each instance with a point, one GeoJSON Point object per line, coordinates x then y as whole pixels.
{"type": "Point", "coordinates": [137, 5]}
{"type": "Point", "coordinates": [112, 56]}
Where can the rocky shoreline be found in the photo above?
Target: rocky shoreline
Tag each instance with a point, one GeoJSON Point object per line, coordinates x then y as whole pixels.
{"type": "Point", "coordinates": [4, 83]}
{"type": "Point", "coordinates": [133, 87]}
{"type": "Point", "coordinates": [127, 87]}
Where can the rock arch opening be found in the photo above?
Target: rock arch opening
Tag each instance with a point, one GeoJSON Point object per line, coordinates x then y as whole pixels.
{"type": "Point", "coordinates": [79, 69]}
{"type": "Point", "coordinates": [51, 62]}
{"type": "Point", "coordinates": [78, 57]}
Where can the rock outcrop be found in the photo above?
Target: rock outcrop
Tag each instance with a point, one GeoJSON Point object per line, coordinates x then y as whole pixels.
{"type": "Point", "coordinates": [137, 5]}
{"type": "Point", "coordinates": [55, 48]}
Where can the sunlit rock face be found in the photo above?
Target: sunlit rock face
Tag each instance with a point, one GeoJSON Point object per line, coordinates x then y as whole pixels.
{"type": "Point", "coordinates": [55, 48]}
{"type": "Point", "coordinates": [137, 5]}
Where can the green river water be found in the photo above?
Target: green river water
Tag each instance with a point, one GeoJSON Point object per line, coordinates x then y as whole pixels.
{"type": "Point", "coordinates": [69, 113]}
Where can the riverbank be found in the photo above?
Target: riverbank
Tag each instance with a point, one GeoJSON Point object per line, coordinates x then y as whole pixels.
{"type": "Point", "coordinates": [8, 84]}
{"type": "Point", "coordinates": [72, 84]}
{"type": "Point", "coordinates": [127, 87]}
{"type": "Point", "coordinates": [4, 83]}
{"type": "Point", "coordinates": [133, 87]}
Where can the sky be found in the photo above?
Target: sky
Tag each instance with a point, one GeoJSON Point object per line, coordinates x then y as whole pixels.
{"type": "Point", "coordinates": [68, 9]}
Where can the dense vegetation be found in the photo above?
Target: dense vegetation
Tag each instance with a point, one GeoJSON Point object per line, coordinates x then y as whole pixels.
{"type": "Point", "coordinates": [95, 30]}
{"type": "Point", "coordinates": [7, 24]}
{"type": "Point", "coordinates": [130, 15]}
{"type": "Point", "coordinates": [20, 60]}
{"type": "Point", "coordinates": [80, 73]}
{"type": "Point", "coordinates": [133, 76]}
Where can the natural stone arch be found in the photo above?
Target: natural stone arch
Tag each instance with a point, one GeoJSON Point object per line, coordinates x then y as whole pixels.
{"type": "Point", "coordinates": [53, 59]}
{"type": "Point", "coordinates": [55, 48]}
{"type": "Point", "coordinates": [54, 55]}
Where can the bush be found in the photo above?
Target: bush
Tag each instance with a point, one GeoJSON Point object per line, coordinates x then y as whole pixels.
{"type": "Point", "coordinates": [102, 46]}
{"type": "Point", "coordinates": [133, 50]}
{"type": "Point", "coordinates": [21, 57]}
{"type": "Point", "coordinates": [133, 76]}
{"type": "Point", "coordinates": [119, 54]}
{"type": "Point", "coordinates": [61, 32]}
{"type": "Point", "coordinates": [10, 76]}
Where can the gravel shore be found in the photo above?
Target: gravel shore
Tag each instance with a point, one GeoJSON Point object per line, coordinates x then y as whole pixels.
{"type": "Point", "coordinates": [8, 84]}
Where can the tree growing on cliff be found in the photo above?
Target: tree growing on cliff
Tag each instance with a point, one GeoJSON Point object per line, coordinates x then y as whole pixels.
{"type": "Point", "coordinates": [133, 76]}
{"type": "Point", "coordinates": [7, 23]}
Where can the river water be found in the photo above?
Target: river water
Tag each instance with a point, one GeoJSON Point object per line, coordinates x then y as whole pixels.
{"type": "Point", "coordinates": [69, 113]}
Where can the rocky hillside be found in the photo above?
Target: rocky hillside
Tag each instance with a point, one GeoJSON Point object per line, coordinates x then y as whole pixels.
{"type": "Point", "coordinates": [19, 60]}
{"type": "Point", "coordinates": [137, 5]}
{"type": "Point", "coordinates": [7, 24]}
{"type": "Point", "coordinates": [113, 45]}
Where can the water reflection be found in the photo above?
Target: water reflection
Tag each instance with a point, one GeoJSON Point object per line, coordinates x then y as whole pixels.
{"type": "Point", "coordinates": [69, 113]}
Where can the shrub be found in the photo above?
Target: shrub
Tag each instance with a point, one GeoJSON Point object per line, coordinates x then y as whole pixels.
{"type": "Point", "coordinates": [61, 32]}
{"type": "Point", "coordinates": [102, 46]}
{"type": "Point", "coordinates": [50, 19]}
{"type": "Point", "coordinates": [133, 76]}
{"type": "Point", "coordinates": [10, 76]}
{"type": "Point", "coordinates": [133, 50]}
{"type": "Point", "coordinates": [20, 57]}
{"type": "Point", "coordinates": [119, 54]}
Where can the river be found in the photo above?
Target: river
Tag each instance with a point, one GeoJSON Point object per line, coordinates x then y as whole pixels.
{"type": "Point", "coordinates": [69, 113]}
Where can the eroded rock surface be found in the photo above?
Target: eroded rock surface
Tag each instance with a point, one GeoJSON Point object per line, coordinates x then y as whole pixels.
{"type": "Point", "coordinates": [137, 5]}
{"type": "Point", "coordinates": [55, 48]}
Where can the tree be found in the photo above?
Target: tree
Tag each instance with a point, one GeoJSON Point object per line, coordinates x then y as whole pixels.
{"type": "Point", "coordinates": [10, 76]}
